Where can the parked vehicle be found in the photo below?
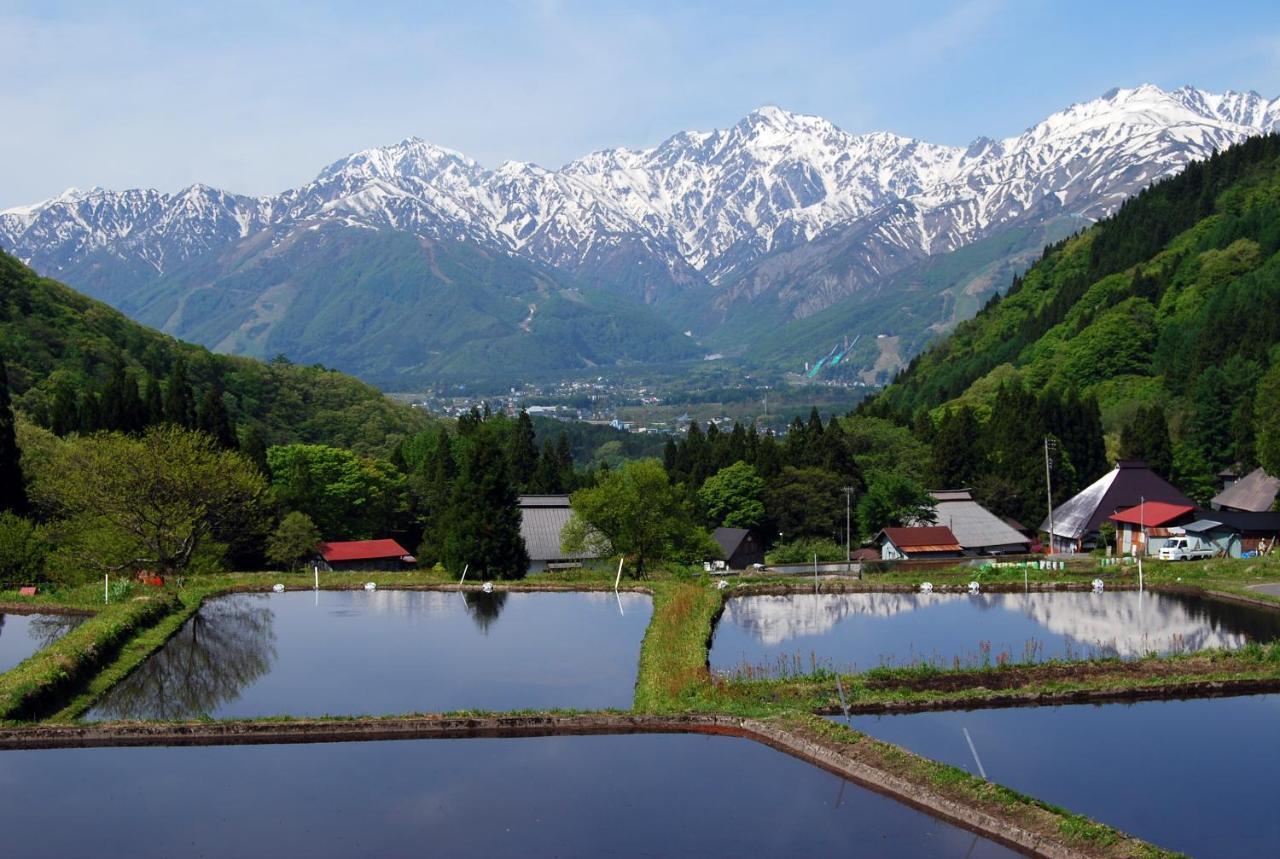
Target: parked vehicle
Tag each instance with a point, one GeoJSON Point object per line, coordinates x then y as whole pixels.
{"type": "Point", "coordinates": [1187, 548]}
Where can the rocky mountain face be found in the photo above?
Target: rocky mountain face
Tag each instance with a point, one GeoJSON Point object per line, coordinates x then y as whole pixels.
{"type": "Point", "coordinates": [781, 214]}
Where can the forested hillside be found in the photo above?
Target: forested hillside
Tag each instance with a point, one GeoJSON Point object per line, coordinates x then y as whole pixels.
{"type": "Point", "coordinates": [76, 364]}
{"type": "Point", "coordinates": [1167, 313]}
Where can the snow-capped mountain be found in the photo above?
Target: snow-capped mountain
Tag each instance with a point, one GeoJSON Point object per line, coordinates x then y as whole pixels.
{"type": "Point", "coordinates": [731, 212]}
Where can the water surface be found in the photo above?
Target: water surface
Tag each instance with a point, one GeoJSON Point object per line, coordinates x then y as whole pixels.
{"type": "Point", "coordinates": [23, 634]}
{"type": "Point", "coordinates": [1195, 776]}
{"type": "Point", "coordinates": [636, 795]}
{"type": "Point", "coordinates": [865, 630]}
{"type": "Point", "coordinates": [389, 652]}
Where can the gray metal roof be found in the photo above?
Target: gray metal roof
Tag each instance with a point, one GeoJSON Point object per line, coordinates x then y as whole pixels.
{"type": "Point", "coordinates": [1255, 492]}
{"type": "Point", "coordinates": [1123, 487]}
{"type": "Point", "coordinates": [730, 539]}
{"type": "Point", "coordinates": [540, 526]}
{"type": "Point", "coordinates": [544, 500]}
{"type": "Point", "coordinates": [1201, 525]}
{"type": "Point", "coordinates": [975, 526]}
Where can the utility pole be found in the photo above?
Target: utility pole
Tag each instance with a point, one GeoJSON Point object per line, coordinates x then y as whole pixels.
{"type": "Point", "coordinates": [848, 502]}
{"type": "Point", "coordinates": [1048, 487]}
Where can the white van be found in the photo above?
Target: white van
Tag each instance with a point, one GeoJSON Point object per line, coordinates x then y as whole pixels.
{"type": "Point", "coordinates": [1188, 548]}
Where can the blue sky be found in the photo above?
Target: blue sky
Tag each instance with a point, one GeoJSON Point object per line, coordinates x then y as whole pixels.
{"type": "Point", "coordinates": [256, 100]}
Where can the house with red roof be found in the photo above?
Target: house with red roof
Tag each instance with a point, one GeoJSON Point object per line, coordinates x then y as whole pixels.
{"type": "Point", "coordinates": [1144, 528]}
{"type": "Point", "coordinates": [357, 555]}
{"type": "Point", "coordinates": [916, 542]}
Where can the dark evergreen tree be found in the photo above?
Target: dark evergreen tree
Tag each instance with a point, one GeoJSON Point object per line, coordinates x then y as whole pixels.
{"type": "Point", "coordinates": [212, 418]}
{"type": "Point", "coordinates": [484, 513]}
{"type": "Point", "coordinates": [564, 462]}
{"type": "Point", "coordinates": [1014, 482]}
{"type": "Point", "coordinates": [180, 403]}
{"type": "Point", "coordinates": [89, 411]}
{"type": "Point", "coordinates": [768, 458]}
{"type": "Point", "coordinates": [64, 413]}
{"type": "Point", "coordinates": [13, 487]}
{"type": "Point", "coordinates": [122, 408]}
{"type": "Point", "coordinates": [670, 458]}
{"type": "Point", "coordinates": [547, 479]}
{"type": "Point", "coordinates": [524, 451]}
{"type": "Point", "coordinates": [1146, 437]}
{"type": "Point", "coordinates": [432, 485]}
{"type": "Point", "coordinates": [958, 455]}
{"type": "Point", "coordinates": [153, 403]}
{"type": "Point", "coordinates": [253, 444]}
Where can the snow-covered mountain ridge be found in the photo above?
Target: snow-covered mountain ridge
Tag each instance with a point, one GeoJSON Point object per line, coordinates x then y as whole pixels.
{"type": "Point", "coordinates": [700, 207]}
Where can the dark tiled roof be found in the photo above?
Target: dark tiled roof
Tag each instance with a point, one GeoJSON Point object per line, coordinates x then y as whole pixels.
{"type": "Point", "coordinates": [730, 539]}
{"type": "Point", "coordinates": [1125, 486]}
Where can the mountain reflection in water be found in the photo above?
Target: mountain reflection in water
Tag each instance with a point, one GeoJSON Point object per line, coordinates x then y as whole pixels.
{"type": "Point", "coordinates": [227, 645]}
{"type": "Point", "coordinates": [894, 628]}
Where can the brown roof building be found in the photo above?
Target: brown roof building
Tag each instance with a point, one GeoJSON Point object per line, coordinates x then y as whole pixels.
{"type": "Point", "coordinates": [922, 541]}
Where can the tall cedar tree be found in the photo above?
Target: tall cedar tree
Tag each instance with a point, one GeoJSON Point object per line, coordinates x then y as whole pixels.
{"type": "Point", "coordinates": [484, 516]}
{"type": "Point", "coordinates": [13, 488]}
{"type": "Point", "coordinates": [958, 456]}
{"type": "Point", "coordinates": [213, 419]}
{"type": "Point", "coordinates": [64, 414]}
{"type": "Point", "coordinates": [153, 403]}
{"type": "Point", "coordinates": [432, 485]}
{"type": "Point", "coordinates": [1146, 436]}
{"type": "Point", "coordinates": [122, 408]}
{"type": "Point", "coordinates": [1014, 484]}
{"type": "Point", "coordinates": [180, 402]}
{"type": "Point", "coordinates": [547, 479]}
{"type": "Point", "coordinates": [564, 462]}
{"type": "Point", "coordinates": [524, 451]}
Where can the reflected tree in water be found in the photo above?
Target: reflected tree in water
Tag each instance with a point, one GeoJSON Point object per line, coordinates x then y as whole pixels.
{"type": "Point", "coordinates": [484, 608]}
{"type": "Point", "coordinates": [228, 645]}
{"type": "Point", "coordinates": [48, 628]}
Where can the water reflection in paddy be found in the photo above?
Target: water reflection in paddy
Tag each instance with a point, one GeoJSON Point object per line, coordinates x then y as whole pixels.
{"type": "Point", "coordinates": [23, 634]}
{"type": "Point", "coordinates": [868, 629]}
{"type": "Point", "coordinates": [656, 795]}
{"type": "Point", "coordinates": [1196, 776]}
{"type": "Point", "coordinates": [385, 652]}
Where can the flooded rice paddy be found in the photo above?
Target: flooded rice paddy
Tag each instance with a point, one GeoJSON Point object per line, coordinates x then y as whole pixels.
{"type": "Point", "coordinates": [390, 652]}
{"type": "Point", "coordinates": [1196, 776]}
{"type": "Point", "coordinates": [23, 634]}
{"type": "Point", "coordinates": [779, 635]}
{"type": "Point", "coordinates": [632, 795]}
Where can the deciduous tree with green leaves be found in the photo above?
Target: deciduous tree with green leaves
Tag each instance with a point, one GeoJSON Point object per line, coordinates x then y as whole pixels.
{"type": "Point", "coordinates": [733, 496]}
{"type": "Point", "coordinates": [294, 540]}
{"type": "Point", "coordinates": [635, 511]}
{"type": "Point", "coordinates": [891, 501]}
{"type": "Point", "coordinates": [347, 496]}
{"type": "Point", "coordinates": [151, 503]}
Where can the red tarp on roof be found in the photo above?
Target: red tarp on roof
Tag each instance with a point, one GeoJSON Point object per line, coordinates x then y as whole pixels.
{"type": "Point", "coordinates": [362, 550]}
{"type": "Point", "coordinates": [1153, 513]}
{"type": "Point", "coordinates": [925, 538]}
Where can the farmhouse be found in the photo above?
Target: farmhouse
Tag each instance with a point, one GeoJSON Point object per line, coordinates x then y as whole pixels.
{"type": "Point", "coordinates": [542, 519]}
{"type": "Point", "coordinates": [976, 529]}
{"type": "Point", "coordinates": [1142, 530]}
{"type": "Point", "coordinates": [356, 555]}
{"type": "Point", "coordinates": [1076, 522]}
{"type": "Point", "coordinates": [741, 547]}
{"type": "Point", "coordinates": [1236, 533]}
{"type": "Point", "coordinates": [1253, 493]}
{"type": "Point", "coordinates": [916, 542]}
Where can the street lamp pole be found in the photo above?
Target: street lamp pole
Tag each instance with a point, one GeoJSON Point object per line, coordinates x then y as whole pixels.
{"type": "Point", "coordinates": [1048, 488]}
{"type": "Point", "coordinates": [848, 501]}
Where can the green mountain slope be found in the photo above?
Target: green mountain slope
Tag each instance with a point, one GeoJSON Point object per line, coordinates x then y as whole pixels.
{"type": "Point", "coordinates": [1173, 302]}
{"type": "Point", "coordinates": [910, 307]}
{"type": "Point", "coordinates": [53, 337]}
{"type": "Point", "coordinates": [399, 311]}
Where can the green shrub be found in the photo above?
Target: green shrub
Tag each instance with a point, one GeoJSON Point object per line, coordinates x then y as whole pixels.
{"type": "Point", "coordinates": [23, 551]}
